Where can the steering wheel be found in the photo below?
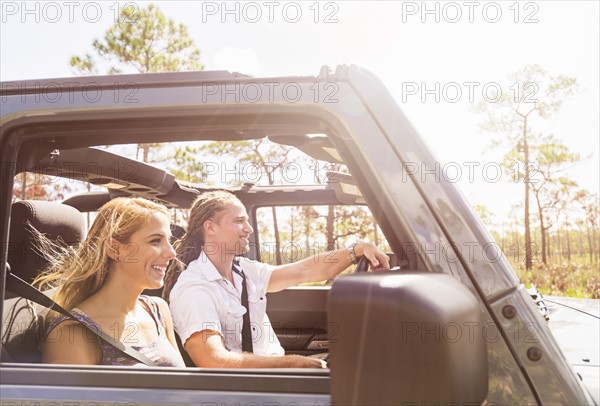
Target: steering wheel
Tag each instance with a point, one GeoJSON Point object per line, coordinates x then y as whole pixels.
{"type": "Point", "coordinates": [363, 264]}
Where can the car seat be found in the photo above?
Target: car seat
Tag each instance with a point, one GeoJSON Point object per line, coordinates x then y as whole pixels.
{"type": "Point", "coordinates": [22, 321]}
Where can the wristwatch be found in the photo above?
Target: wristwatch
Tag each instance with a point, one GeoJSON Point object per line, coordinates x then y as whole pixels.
{"type": "Point", "coordinates": [352, 253]}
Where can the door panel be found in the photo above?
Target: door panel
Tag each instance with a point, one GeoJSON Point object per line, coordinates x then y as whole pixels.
{"type": "Point", "coordinates": [299, 318]}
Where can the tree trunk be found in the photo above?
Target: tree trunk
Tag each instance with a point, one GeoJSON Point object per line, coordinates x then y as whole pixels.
{"type": "Point", "coordinates": [594, 241]}
{"type": "Point", "coordinates": [146, 149]}
{"type": "Point", "coordinates": [24, 186]}
{"type": "Point", "coordinates": [292, 228]}
{"type": "Point", "coordinates": [278, 259]}
{"type": "Point", "coordinates": [568, 245]}
{"type": "Point", "coordinates": [87, 214]}
{"type": "Point", "coordinates": [590, 243]}
{"type": "Point", "coordinates": [306, 215]}
{"type": "Point", "coordinates": [580, 248]}
{"type": "Point", "coordinates": [528, 261]}
{"type": "Point", "coordinates": [544, 258]}
{"type": "Point", "coordinates": [329, 231]}
{"type": "Point", "coordinates": [542, 228]}
{"type": "Point", "coordinates": [548, 245]}
{"type": "Point", "coordinates": [560, 245]}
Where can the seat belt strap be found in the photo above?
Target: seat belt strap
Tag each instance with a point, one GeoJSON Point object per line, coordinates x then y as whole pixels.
{"type": "Point", "coordinates": [19, 287]}
{"type": "Point", "coordinates": [247, 345]}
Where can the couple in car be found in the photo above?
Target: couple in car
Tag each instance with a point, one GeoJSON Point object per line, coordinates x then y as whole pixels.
{"type": "Point", "coordinates": [217, 297]}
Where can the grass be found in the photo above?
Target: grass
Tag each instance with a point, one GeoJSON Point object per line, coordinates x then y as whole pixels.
{"type": "Point", "coordinates": [576, 278]}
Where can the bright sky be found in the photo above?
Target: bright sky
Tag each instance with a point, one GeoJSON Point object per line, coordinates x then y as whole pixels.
{"type": "Point", "coordinates": [409, 45]}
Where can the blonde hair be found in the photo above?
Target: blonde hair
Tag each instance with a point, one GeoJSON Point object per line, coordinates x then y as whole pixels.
{"type": "Point", "coordinates": [206, 207]}
{"type": "Point", "coordinates": [80, 271]}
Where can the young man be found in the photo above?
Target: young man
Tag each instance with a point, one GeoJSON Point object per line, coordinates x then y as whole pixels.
{"type": "Point", "coordinates": [218, 302]}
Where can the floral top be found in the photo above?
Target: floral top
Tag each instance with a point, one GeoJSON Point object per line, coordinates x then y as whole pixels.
{"type": "Point", "coordinates": [161, 351]}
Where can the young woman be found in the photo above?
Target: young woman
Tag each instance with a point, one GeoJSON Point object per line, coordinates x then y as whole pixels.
{"type": "Point", "coordinates": [100, 282]}
{"type": "Point", "coordinates": [207, 299]}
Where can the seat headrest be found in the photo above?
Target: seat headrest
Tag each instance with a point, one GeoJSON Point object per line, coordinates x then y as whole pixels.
{"type": "Point", "coordinates": [52, 219]}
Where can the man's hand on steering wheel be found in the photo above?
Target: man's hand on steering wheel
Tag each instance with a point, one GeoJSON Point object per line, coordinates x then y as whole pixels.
{"type": "Point", "coordinates": [368, 252]}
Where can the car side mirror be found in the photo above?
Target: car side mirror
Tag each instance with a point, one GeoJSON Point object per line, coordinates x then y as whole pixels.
{"type": "Point", "coordinates": [404, 338]}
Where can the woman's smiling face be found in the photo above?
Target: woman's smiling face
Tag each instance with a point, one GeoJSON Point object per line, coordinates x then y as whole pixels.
{"type": "Point", "coordinates": [146, 255]}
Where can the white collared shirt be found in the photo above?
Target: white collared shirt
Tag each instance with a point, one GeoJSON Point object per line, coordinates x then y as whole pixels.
{"type": "Point", "coordinates": [203, 300]}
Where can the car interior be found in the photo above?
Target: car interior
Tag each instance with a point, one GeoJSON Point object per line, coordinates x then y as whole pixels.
{"type": "Point", "coordinates": [298, 314]}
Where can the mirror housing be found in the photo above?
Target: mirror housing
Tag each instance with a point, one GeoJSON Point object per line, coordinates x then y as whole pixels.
{"type": "Point", "coordinates": [406, 338]}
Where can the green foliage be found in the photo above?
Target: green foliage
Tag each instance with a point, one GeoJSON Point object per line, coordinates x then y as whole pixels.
{"type": "Point", "coordinates": [589, 203]}
{"type": "Point", "coordinates": [484, 214]}
{"type": "Point", "coordinates": [529, 92]}
{"type": "Point", "coordinates": [265, 159]}
{"type": "Point", "coordinates": [262, 157]}
{"type": "Point", "coordinates": [36, 186]}
{"type": "Point", "coordinates": [572, 267]}
{"type": "Point", "coordinates": [548, 158]}
{"type": "Point", "coordinates": [577, 278]}
{"type": "Point", "coordinates": [84, 65]}
{"type": "Point", "coordinates": [185, 165]}
{"type": "Point", "coordinates": [142, 39]}
{"type": "Point", "coordinates": [305, 230]}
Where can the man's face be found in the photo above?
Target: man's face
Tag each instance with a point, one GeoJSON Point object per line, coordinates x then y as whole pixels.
{"type": "Point", "coordinates": [230, 230]}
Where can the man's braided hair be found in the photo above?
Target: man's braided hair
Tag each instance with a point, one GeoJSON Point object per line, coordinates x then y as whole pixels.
{"type": "Point", "coordinates": [207, 206]}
